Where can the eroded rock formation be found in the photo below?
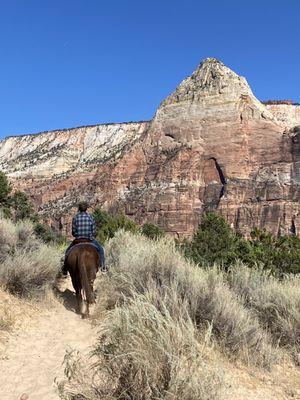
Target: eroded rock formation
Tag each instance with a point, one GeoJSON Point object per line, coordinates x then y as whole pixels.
{"type": "Point", "coordinates": [210, 146]}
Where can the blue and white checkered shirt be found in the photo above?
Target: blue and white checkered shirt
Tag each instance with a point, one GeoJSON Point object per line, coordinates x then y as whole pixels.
{"type": "Point", "coordinates": [83, 226]}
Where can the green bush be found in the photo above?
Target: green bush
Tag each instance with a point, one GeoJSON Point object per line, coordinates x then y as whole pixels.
{"type": "Point", "coordinates": [215, 242]}
{"type": "Point", "coordinates": [152, 231]}
{"type": "Point", "coordinates": [16, 205]}
{"type": "Point", "coordinates": [21, 205]}
{"type": "Point", "coordinates": [107, 225]}
{"type": "Point", "coordinates": [5, 190]}
{"type": "Point", "coordinates": [48, 235]}
{"type": "Point", "coordinates": [279, 255]}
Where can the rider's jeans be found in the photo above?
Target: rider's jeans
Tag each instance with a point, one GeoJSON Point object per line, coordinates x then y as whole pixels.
{"type": "Point", "coordinates": [101, 251]}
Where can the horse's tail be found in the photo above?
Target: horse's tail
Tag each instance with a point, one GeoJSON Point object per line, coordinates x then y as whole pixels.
{"type": "Point", "coordinates": [85, 283]}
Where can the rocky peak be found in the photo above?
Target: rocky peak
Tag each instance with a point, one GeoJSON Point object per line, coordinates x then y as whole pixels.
{"type": "Point", "coordinates": [211, 77]}
{"type": "Point", "coordinates": [214, 83]}
{"type": "Point", "coordinates": [211, 146]}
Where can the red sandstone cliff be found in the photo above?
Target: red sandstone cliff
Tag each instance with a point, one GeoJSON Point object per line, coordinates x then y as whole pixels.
{"type": "Point", "coordinates": [210, 146]}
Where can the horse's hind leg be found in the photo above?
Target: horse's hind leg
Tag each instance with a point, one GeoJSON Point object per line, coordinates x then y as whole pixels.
{"type": "Point", "coordinates": [79, 301]}
{"type": "Point", "coordinates": [87, 311]}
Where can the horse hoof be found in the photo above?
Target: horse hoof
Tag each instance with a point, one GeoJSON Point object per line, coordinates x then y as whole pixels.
{"type": "Point", "coordinates": [84, 316]}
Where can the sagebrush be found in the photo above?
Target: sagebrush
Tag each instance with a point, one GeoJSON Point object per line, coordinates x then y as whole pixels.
{"type": "Point", "coordinates": [158, 311]}
{"type": "Point", "coordinates": [28, 267]}
{"type": "Point", "coordinates": [144, 354]}
{"type": "Point", "coordinates": [139, 265]}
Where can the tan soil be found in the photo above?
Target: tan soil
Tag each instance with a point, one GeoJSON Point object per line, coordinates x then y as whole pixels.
{"type": "Point", "coordinates": [33, 356]}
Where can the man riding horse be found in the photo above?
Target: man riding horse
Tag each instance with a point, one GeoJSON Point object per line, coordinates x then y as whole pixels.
{"type": "Point", "coordinates": [83, 230]}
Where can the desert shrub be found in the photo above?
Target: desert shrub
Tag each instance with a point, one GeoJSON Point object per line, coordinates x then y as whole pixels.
{"type": "Point", "coordinates": [215, 242]}
{"type": "Point", "coordinates": [275, 302]}
{"type": "Point", "coordinates": [157, 270]}
{"type": "Point", "coordinates": [279, 255]}
{"type": "Point", "coordinates": [126, 224]}
{"type": "Point", "coordinates": [27, 267]}
{"type": "Point", "coordinates": [48, 235]}
{"type": "Point", "coordinates": [151, 341]}
{"type": "Point", "coordinates": [5, 190]}
{"type": "Point", "coordinates": [107, 224]}
{"type": "Point", "coordinates": [144, 354]}
{"type": "Point", "coordinates": [21, 206]}
{"type": "Point", "coordinates": [30, 274]}
{"type": "Point", "coordinates": [286, 258]}
{"type": "Point", "coordinates": [43, 232]}
{"type": "Point", "coordinates": [14, 205]}
{"type": "Point", "coordinates": [8, 238]}
{"type": "Point", "coordinates": [15, 236]}
{"type": "Point", "coordinates": [152, 231]}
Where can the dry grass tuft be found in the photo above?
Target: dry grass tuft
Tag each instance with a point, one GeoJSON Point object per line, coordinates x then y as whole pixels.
{"type": "Point", "coordinates": [276, 303]}
{"type": "Point", "coordinates": [30, 274]}
{"type": "Point", "coordinates": [27, 266]}
{"type": "Point", "coordinates": [8, 238]}
{"type": "Point", "coordinates": [156, 269]}
{"type": "Point", "coordinates": [144, 354]}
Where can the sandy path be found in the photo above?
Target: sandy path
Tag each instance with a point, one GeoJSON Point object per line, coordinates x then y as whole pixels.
{"type": "Point", "coordinates": [33, 357]}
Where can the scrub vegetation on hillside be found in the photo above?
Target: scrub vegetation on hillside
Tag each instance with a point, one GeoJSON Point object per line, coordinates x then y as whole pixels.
{"type": "Point", "coordinates": [158, 312]}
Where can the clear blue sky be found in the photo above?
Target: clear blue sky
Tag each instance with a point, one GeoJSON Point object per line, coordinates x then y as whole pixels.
{"type": "Point", "coordinates": [66, 63]}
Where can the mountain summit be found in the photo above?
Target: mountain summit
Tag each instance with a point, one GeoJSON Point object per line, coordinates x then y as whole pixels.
{"type": "Point", "coordinates": [210, 146]}
{"type": "Point", "coordinates": [213, 82]}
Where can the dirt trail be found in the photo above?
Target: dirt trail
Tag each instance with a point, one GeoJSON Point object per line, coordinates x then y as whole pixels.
{"type": "Point", "coordinates": [33, 357]}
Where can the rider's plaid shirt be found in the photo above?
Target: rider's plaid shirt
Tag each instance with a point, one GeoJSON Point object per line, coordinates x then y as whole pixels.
{"type": "Point", "coordinates": [83, 226]}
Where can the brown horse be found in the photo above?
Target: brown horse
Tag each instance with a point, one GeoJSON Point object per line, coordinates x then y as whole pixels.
{"type": "Point", "coordinates": [83, 264]}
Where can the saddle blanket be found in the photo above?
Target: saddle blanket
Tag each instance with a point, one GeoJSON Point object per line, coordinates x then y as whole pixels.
{"type": "Point", "coordinates": [70, 248]}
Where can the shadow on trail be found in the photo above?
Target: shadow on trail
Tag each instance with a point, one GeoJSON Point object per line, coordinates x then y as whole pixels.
{"type": "Point", "coordinates": [66, 296]}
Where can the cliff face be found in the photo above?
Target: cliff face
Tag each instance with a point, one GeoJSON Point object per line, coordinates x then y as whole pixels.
{"type": "Point", "coordinates": [210, 146]}
{"type": "Point", "coordinates": [56, 153]}
{"type": "Point", "coordinates": [286, 115]}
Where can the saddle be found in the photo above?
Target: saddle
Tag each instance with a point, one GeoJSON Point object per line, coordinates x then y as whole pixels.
{"type": "Point", "coordinates": [78, 242]}
{"type": "Point", "coordinates": [81, 240]}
